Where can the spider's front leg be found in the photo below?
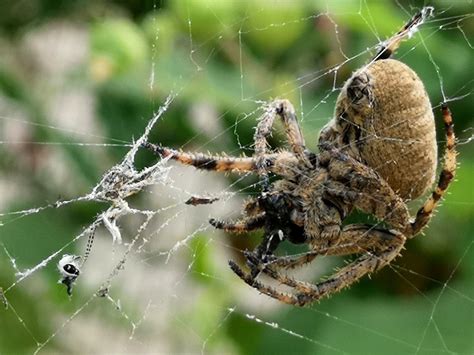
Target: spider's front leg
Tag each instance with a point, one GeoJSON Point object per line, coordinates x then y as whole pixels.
{"type": "Point", "coordinates": [285, 110]}
{"type": "Point", "coordinates": [282, 163]}
{"type": "Point", "coordinates": [203, 161]}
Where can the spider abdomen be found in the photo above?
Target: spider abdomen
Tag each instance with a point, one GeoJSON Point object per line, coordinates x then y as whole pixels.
{"type": "Point", "coordinates": [391, 119]}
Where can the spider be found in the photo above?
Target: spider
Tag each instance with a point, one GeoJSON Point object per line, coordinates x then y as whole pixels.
{"type": "Point", "coordinates": [377, 153]}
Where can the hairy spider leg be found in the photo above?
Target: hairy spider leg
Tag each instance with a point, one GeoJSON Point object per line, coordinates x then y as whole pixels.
{"type": "Point", "coordinates": [277, 163]}
{"type": "Point", "coordinates": [386, 244]}
{"type": "Point", "coordinates": [346, 244]}
{"type": "Point", "coordinates": [369, 194]}
{"type": "Point", "coordinates": [202, 161]}
{"type": "Point", "coordinates": [391, 45]}
{"type": "Point", "coordinates": [245, 225]}
{"type": "Point", "coordinates": [263, 130]}
{"type": "Point", "coordinates": [261, 162]}
{"type": "Point", "coordinates": [285, 110]}
{"type": "Point", "coordinates": [446, 176]}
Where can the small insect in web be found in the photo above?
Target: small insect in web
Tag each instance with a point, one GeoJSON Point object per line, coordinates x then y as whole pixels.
{"type": "Point", "coordinates": [69, 268]}
{"type": "Point", "coordinates": [377, 153]}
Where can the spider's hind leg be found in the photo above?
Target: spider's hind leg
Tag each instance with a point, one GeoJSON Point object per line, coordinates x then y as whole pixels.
{"type": "Point", "coordinates": [446, 176]}
{"type": "Point", "coordinates": [379, 248]}
{"type": "Point", "coordinates": [390, 46]}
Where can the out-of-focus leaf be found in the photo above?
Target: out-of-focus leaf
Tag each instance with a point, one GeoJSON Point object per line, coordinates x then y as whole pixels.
{"type": "Point", "coordinates": [117, 45]}
{"type": "Point", "coordinates": [272, 29]}
{"type": "Point", "coordinates": [206, 20]}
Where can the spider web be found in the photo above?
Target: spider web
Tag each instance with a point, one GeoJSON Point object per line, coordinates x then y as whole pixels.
{"type": "Point", "coordinates": [154, 275]}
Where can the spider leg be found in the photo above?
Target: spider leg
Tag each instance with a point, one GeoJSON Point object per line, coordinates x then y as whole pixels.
{"type": "Point", "coordinates": [446, 176]}
{"type": "Point", "coordinates": [385, 246]}
{"type": "Point", "coordinates": [292, 262]}
{"type": "Point", "coordinates": [307, 292]}
{"type": "Point", "coordinates": [242, 226]}
{"type": "Point", "coordinates": [264, 129]}
{"type": "Point", "coordinates": [357, 185]}
{"type": "Point", "coordinates": [248, 279]}
{"type": "Point", "coordinates": [277, 163]}
{"type": "Point", "coordinates": [285, 110]}
{"type": "Point", "coordinates": [263, 253]}
{"type": "Point", "coordinates": [391, 45]}
{"type": "Point", "coordinates": [350, 241]}
{"type": "Point", "coordinates": [205, 162]}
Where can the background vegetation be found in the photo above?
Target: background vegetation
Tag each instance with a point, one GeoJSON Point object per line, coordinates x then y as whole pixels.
{"type": "Point", "coordinates": [80, 79]}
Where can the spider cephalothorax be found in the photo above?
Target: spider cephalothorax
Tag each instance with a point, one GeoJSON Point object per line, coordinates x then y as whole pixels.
{"type": "Point", "coordinates": [378, 152]}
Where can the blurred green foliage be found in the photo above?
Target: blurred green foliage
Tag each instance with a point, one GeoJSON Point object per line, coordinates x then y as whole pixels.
{"type": "Point", "coordinates": [228, 54]}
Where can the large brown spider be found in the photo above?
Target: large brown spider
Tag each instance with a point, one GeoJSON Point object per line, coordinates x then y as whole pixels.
{"type": "Point", "coordinates": [377, 152]}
